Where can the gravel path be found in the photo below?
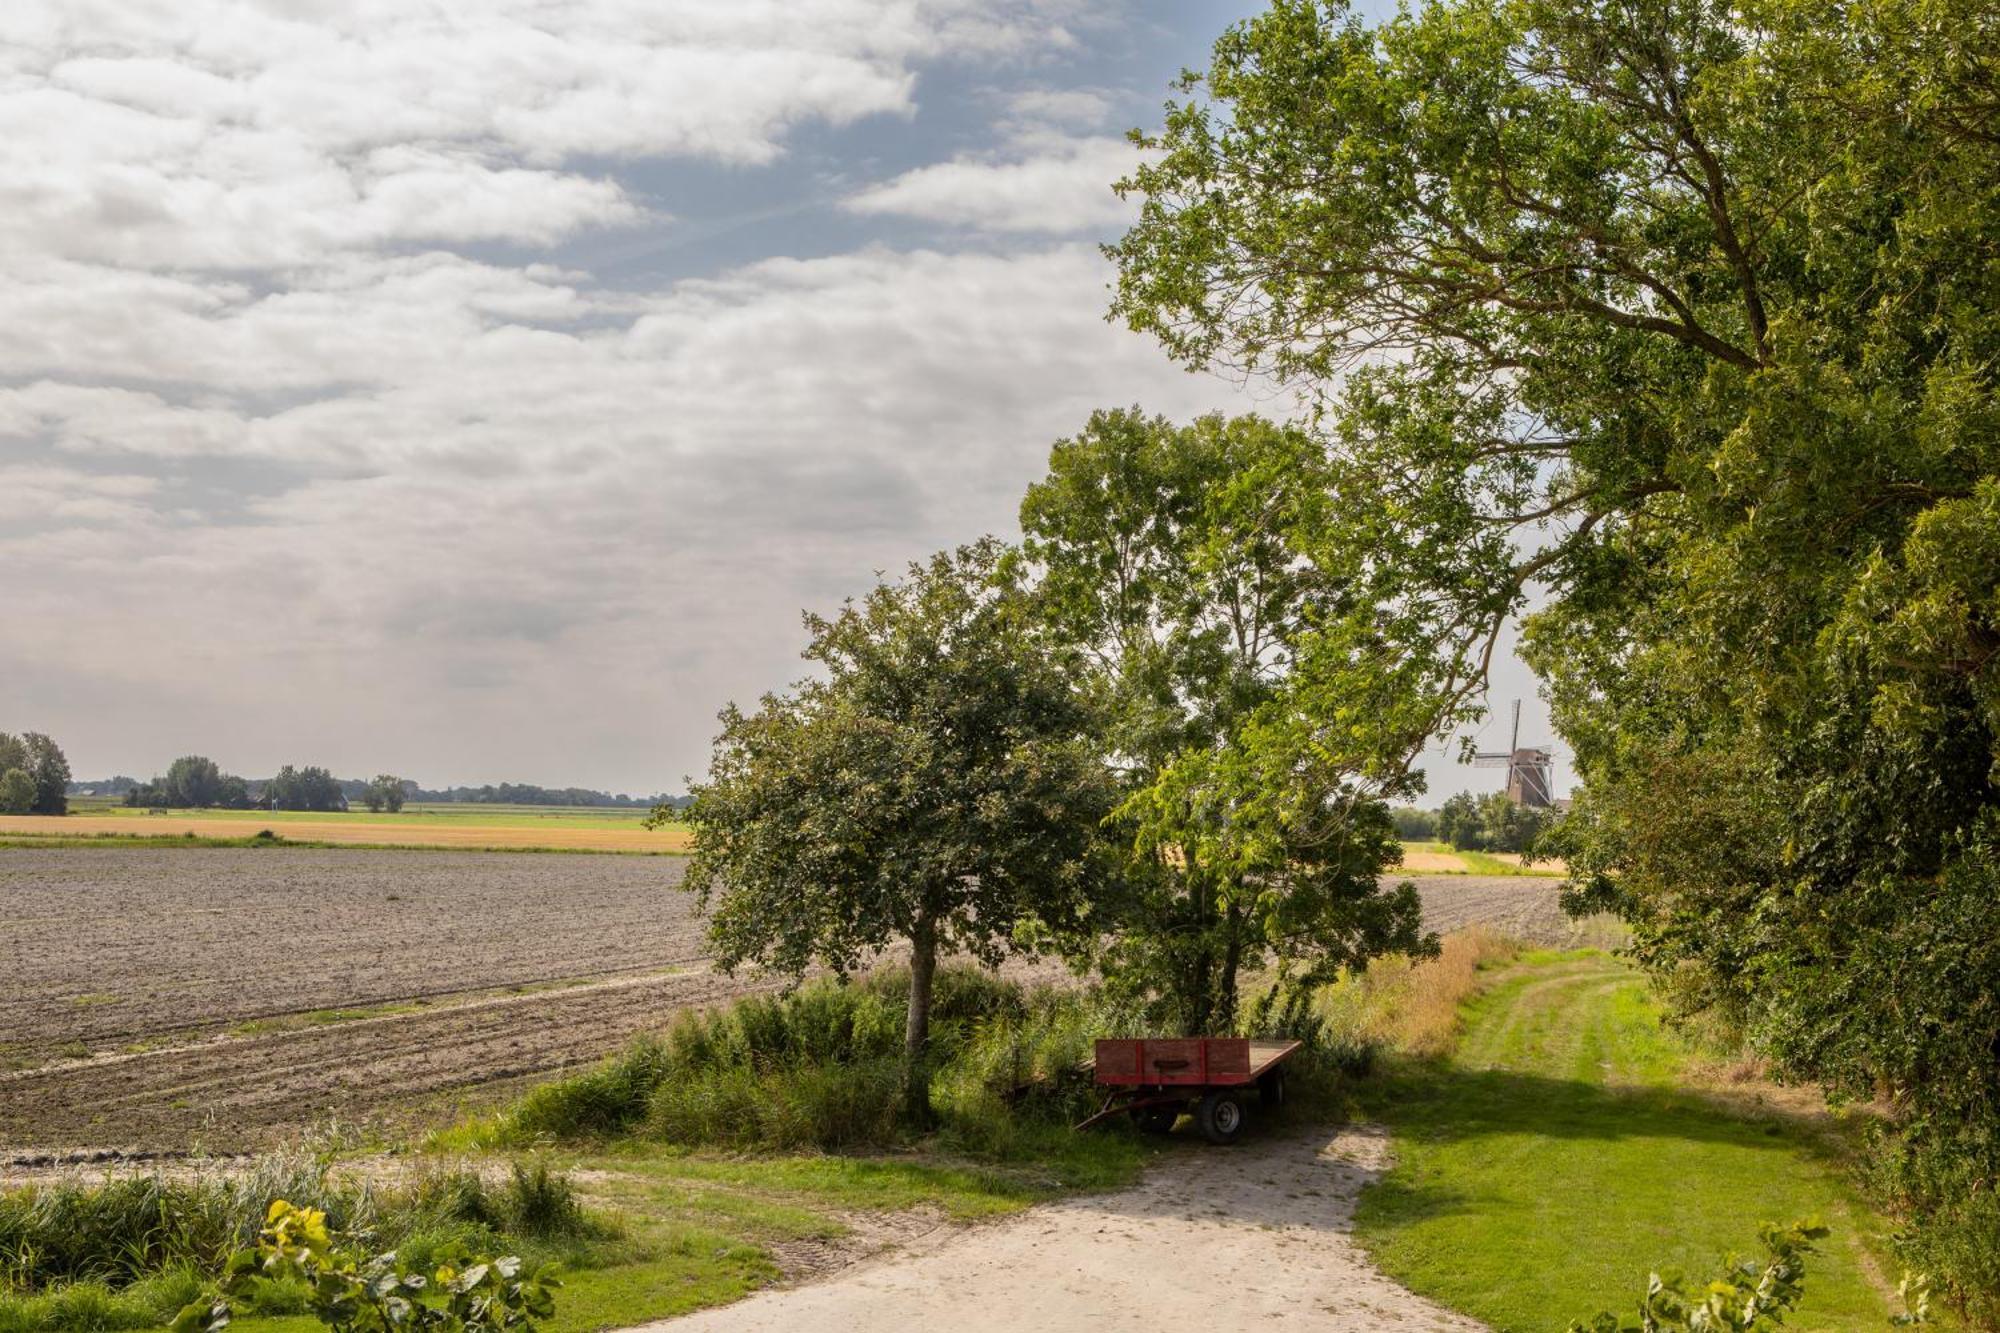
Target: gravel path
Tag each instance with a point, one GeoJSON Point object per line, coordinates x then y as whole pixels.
{"type": "Point", "coordinates": [1257, 1236]}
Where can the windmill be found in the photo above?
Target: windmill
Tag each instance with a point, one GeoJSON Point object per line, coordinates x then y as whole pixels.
{"type": "Point", "coordinates": [1530, 772]}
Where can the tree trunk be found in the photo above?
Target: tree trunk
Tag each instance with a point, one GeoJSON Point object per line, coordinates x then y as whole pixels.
{"type": "Point", "coordinates": [1232, 957]}
{"type": "Point", "coordinates": [917, 1029]}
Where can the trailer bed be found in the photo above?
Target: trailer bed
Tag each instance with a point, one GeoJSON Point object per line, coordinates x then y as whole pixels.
{"type": "Point", "coordinates": [1212, 1062]}
{"type": "Point", "coordinates": [1156, 1079]}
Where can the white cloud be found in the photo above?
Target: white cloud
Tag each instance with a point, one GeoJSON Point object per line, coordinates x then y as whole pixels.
{"type": "Point", "coordinates": [254, 134]}
{"type": "Point", "coordinates": [1072, 108]}
{"type": "Point", "coordinates": [586, 537]}
{"type": "Point", "coordinates": [1045, 183]}
{"type": "Point", "coordinates": [304, 458]}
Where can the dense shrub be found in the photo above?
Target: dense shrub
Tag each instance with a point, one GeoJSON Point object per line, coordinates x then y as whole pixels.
{"type": "Point", "coordinates": [819, 1067]}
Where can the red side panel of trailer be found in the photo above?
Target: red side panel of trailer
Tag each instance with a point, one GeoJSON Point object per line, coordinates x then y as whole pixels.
{"type": "Point", "coordinates": [1167, 1062]}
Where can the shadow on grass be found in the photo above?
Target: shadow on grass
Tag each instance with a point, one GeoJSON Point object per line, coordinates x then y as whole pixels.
{"type": "Point", "coordinates": [1440, 1102]}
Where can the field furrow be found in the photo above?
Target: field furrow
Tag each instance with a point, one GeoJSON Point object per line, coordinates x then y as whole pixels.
{"type": "Point", "coordinates": [160, 998]}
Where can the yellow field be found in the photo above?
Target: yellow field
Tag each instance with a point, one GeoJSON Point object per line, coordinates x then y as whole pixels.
{"type": "Point", "coordinates": [1436, 863]}
{"type": "Point", "coordinates": [344, 829]}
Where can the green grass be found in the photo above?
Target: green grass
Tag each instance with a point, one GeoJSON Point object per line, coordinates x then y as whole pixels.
{"type": "Point", "coordinates": [1476, 863]}
{"type": "Point", "coordinates": [1558, 1156]}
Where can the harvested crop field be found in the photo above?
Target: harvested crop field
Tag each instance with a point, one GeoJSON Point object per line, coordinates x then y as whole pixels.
{"type": "Point", "coordinates": [527, 834]}
{"type": "Point", "coordinates": [156, 999]}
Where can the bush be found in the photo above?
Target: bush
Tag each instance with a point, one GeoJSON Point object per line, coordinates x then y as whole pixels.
{"type": "Point", "coordinates": [820, 1067]}
{"type": "Point", "coordinates": [385, 1294]}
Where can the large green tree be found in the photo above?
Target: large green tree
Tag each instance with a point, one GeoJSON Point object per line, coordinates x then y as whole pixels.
{"type": "Point", "coordinates": [1178, 567]}
{"type": "Point", "coordinates": [48, 769]}
{"type": "Point", "coordinates": [386, 792]}
{"type": "Point", "coordinates": [193, 782]}
{"type": "Point", "coordinates": [1676, 322]}
{"type": "Point", "coordinates": [308, 788]}
{"type": "Point", "coordinates": [935, 787]}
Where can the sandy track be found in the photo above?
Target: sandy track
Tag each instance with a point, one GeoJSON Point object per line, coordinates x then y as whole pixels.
{"type": "Point", "coordinates": [1257, 1236]}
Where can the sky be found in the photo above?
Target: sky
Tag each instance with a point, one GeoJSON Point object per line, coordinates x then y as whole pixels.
{"type": "Point", "coordinates": [479, 392]}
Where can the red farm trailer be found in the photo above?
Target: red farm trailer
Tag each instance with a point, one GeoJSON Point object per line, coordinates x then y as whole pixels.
{"type": "Point", "coordinates": [1154, 1079]}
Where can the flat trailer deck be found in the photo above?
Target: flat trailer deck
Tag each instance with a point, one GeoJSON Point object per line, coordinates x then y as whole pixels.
{"type": "Point", "coordinates": [1155, 1079]}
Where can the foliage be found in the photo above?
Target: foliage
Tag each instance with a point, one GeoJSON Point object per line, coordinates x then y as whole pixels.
{"type": "Point", "coordinates": [1178, 569]}
{"type": "Point", "coordinates": [40, 763]}
{"type": "Point", "coordinates": [309, 788]}
{"type": "Point", "coordinates": [935, 788]}
{"type": "Point", "coordinates": [1749, 1295]}
{"type": "Point", "coordinates": [382, 1295]}
{"type": "Point", "coordinates": [1490, 823]}
{"type": "Point", "coordinates": [193, 782]}
{"type": "Point", "coordinates": [1682, 314]}
{"type": "Point", "coordinates": [386, 792]}
{"type": "Point", "coordinates": [17, 792]}
{"type": "Point", "coordinates": [1414, 825]}
{"type": "Point", "coordinates": [820, 1067]}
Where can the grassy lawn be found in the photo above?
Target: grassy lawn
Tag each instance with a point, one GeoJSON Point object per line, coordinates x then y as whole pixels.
{"type": "Point", "coordinates": [1558, 1156]}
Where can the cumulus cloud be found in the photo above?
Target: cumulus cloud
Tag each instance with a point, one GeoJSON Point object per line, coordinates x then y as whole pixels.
{"type": "Point", "coordinates": [309, 453]}
{"type": "Point", "coordinates": [247, 134]}
{"type": "Point", "coordinates": [1045, 183]}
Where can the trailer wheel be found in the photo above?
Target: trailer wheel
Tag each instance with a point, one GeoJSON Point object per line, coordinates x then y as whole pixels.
{"type": "Point", "coordinates": [1220, 1117]}
{"type": "Point", "coordinates": [1157, 1119]}
{"type": "Point", "coordinates": [1271, 1089]}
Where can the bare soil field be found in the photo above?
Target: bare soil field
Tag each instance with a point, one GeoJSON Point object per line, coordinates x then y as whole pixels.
{"type": "Point", "coordinates": [163, 999]}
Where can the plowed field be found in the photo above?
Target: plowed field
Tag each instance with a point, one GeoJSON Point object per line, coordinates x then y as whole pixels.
{"type": "Point", "coordinates": [154, 999]}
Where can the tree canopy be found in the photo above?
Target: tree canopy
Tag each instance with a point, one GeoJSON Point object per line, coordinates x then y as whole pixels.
{"type": "Point", "coordinates": [935, 787]}
{"type": "Point", "coordinates": [1180, 569]}
{"type": "Point", "coordinates": [42, 786]}
{"type": "Point", "coordinates": [308, 788]}
{"type": "Point", "coordinates": [1675, 320]}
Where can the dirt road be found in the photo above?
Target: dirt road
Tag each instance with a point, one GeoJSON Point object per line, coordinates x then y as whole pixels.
{"type": "Point", "coordinates": [1251, 1237]}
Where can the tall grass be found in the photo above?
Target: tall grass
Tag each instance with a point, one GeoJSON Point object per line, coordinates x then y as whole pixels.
{"type": "Point", "coordinates": [819, 1068]}
{"type": "Point", "coordinates": [1413, 1005]}
{"type": "Point", "coordinates": [130, 1252]}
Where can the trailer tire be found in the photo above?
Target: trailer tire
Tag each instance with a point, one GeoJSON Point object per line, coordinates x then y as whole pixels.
{"type": "Point", "coordinates": [1220, 1117]}
{"type": "Point", "coordinates": [1271, 1089]}
{"type": "Point", "coordinates": [1157, 1119]}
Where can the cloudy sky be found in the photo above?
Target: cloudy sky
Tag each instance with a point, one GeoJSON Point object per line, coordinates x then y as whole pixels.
{"type": "Point", "coordinates": [478, 390]}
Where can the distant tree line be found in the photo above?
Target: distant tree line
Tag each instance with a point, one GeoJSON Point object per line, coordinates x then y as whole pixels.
{"type": "Point", "coordinates": [196, 782]}
{"type": "Point", "coordinates": [1490, 823]}
{"type": "Point", "coordinates": [34, 775]}
{"type": "Point", "coordinates": [523, 793]}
